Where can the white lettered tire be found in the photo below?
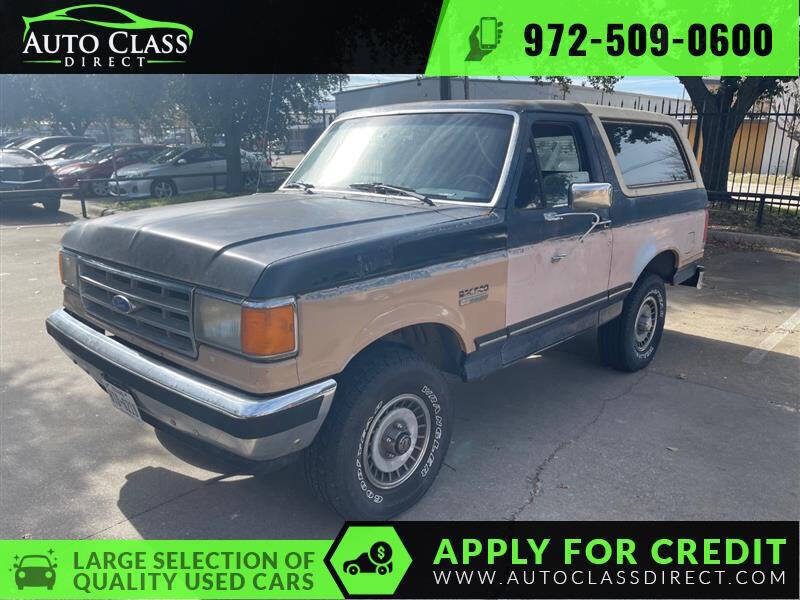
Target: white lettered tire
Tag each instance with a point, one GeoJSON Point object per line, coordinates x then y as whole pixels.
{"type": "Point", "coordinates": [385, 437]}
{"type": "Point", "coordinates": [629, 342]}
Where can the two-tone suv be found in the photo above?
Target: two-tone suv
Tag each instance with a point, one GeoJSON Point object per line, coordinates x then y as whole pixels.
{"type": "Point", "coordinates": [412, 240]}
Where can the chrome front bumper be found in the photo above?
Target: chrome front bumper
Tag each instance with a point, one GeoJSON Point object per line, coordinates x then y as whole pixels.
{"type": "Point", "coordinates": [254, 427]}
{"type": "Point", "coordinates": [130, 189]}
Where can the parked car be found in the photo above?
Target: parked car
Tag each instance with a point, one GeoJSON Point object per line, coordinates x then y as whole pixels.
{"type": "Point", "coordinates": [411, 241]}
{"type": "Point", "coordinates": [42, 144]}
{"type": "Point", "coordinates": [62, 151]}
{"type": "Point", "coordinates": [12, 142]}
{"type": "Point", "coordinates": [176, 171]}
{"type": "Point", "coordinates": [101, 166]}
{"type": "Point", "coordinates": [23, 170]}
{"type": "Point", "coordinates": [88, 154]}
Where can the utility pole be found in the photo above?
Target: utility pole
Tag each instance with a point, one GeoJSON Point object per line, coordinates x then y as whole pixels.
{"type": "Point", "coordinates": [445, 91]}
{"type": "Point", "coordinates": [466, 87]}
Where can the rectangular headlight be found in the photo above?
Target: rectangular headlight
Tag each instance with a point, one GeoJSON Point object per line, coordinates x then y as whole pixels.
{"type": "Point", "coordinates": [68, 269]}
{"type": "Point", "coordinates": [257, 329]}
{"type": "Point", "coordinates": [218, 321]}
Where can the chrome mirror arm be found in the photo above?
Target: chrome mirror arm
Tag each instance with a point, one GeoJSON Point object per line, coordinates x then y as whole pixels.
{"type": "Point", "coordinates": [597, 220]}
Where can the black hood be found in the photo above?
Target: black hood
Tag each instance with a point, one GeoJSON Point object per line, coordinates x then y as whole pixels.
{"type": "Point", "coordinates": [270, 245]}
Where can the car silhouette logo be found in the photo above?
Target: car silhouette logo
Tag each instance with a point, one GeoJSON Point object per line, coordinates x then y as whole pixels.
{"type": "Point", "coordinates": [123, 305]}
{"type": "Point", "coordinates": [34, 570]}
{"type": "Point", "coordinates": [118, 18]}
{"type": "Point", "coordinates": [377, 560]}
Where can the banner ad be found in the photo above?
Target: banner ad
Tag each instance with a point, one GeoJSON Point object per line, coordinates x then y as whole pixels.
{"type": "Point", "coordinates": [425, 560]}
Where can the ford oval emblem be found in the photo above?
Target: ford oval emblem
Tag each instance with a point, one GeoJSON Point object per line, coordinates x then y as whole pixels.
{"type": "Point", "coordinates": [122, 305]}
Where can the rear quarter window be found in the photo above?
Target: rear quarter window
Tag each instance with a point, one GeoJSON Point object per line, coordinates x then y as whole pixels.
{"type": "Point", "coordinates": [647, 154]}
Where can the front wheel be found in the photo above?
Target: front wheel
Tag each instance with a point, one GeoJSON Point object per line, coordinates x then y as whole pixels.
{"type": "Point", "coordinates": [163, 188]}
{"type": "Point", "coordinates": [385, 437]}
{"type": "Point", "coordinates": [630, 341]}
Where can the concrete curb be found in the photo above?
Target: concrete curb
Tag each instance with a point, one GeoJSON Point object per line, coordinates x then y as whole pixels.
{"type": "Point", "coordinates": [754, 239]}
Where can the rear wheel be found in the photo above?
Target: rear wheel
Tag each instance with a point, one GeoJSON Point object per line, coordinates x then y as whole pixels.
{"type": "Point", "coordinates": [99, 188]}
{"type": "Point", "coordinates": [250, 181]}
{"type": "Point", "coordinates": [52, 205]}
{"type": "Point", "coordinates": [385, 438]}
{"type": "Point", "coordinates": [630, 341]}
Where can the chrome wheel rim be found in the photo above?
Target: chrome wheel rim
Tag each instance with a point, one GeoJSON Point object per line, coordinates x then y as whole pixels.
{"type": "Point", "coordinates": [396, 441]}
{"type": "Point", "coordinates": [162, 190]}
{"type": "Point", "coordinates": [646, 322]}
{"type": "Point", "coordinates": [100, 188]}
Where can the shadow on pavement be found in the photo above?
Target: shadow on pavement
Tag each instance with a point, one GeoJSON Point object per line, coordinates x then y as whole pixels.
{"type": "Point", "coordinates": [511, 422]}
{"type": "Point", "coordinates": [16, 215]}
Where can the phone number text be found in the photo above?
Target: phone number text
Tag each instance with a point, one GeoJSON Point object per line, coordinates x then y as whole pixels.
{"type": "Point", "coordinates": [637, 39]}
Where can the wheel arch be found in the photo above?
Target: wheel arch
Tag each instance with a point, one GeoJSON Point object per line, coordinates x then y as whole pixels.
{"type": "Point", "coordinates": [663, 263]}
{"type": "Point", "coordinates": [437, 341]}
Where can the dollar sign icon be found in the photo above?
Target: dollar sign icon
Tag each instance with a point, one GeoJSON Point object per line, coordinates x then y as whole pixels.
{"type": "Point", "coordinates": [380, 553]}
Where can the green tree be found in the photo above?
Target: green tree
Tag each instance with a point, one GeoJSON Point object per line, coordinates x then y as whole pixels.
{"type": "Point", "coordinates": [142, 101]}
{"type": "Point", "coordinates": [239, 106]}
{"type": "Point", "coordinates": [67, 102]}
{"type": "Point", "coordinates": [71, 103]}
{"type": "Point", "coordinates": [723, 106]}
{"type": "Point", "coordinates": [13, 102]}
{"type": "Point", "coordinates": [605, 83]}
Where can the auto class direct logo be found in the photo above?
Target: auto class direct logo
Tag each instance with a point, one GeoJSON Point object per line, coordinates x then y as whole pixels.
{"type": "Point", "coordinates": [91, 36]}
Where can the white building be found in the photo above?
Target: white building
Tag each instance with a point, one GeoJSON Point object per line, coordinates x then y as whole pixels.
{"type": "Point", "coordinates": [431, 88]}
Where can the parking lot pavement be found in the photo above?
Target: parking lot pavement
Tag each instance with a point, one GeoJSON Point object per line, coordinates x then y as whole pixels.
{"type": "Point", "coordinates": [709, 430]}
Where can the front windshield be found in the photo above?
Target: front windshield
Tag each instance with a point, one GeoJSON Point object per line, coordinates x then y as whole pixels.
{"type": "Point", "coordinates": [36, 560]}
{"type": "Point", "coordinates": [166, 155]}
{"type": "Point", "coordinates": [53, 152]}
{"type": "Point", "coordinates": [451, 156]}
{"type": "Point", "coordinates": [91, 152]}
{"type": "Point", "coordinates": [103, 154]}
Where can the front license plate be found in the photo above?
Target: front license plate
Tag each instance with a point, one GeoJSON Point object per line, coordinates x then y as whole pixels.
{"type": "Point", "coordinates": [123, 401]}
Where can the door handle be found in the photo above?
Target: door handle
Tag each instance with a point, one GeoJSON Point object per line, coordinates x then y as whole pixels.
{"type": "Point", "coordinates": [557, 257]}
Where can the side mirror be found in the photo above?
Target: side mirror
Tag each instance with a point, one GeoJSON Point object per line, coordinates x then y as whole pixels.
{"type": "Point", "coordinates": [590, 196]}
{"type": "Point", "coordinates": [181, 161]}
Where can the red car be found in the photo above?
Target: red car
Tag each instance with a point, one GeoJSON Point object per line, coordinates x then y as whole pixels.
{"type": "Point", "coordinates": [102, 166]}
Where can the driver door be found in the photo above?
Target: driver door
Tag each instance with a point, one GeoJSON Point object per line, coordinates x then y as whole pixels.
{"type": "Point", "coordinates": [556, 282]}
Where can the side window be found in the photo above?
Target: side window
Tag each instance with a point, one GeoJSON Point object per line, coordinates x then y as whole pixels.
{"type": "Point", "coordinates": [193, 156]}
{"type": "Point", "coordinates": [199, 155]}
{"type": "Point", "coordinates": [647, 154]}
{"type": "Point", "coordinates": [561, 160]}
{"type": "Point", "coordinates": [141, 154]}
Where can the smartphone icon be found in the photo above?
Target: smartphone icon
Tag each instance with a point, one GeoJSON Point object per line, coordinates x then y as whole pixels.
{"type": "Point", "coordinates": [488, 39]}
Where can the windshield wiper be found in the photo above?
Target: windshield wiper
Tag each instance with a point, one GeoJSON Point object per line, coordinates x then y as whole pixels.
{"type": "Point", "coordinates": [301, 184]}
{"type": "Point", "coordinates": [384, 187]}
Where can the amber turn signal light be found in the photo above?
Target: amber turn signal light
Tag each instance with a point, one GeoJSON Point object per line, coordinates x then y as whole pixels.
{"type": "Point", "coordinates": [268, 331]}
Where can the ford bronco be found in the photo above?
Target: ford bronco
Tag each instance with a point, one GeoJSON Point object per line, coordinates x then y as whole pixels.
{"type": "Point", "coordinates": [410, 242]}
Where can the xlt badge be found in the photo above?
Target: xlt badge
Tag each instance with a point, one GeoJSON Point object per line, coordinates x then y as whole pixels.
{"type": "Point", "coordinates": [473, 294]}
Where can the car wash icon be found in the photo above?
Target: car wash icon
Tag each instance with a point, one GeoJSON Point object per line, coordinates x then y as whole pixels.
{"type": "Point", "coordinates": [35, 570]}
{"type": "Point", "coordinates": [377, 560]}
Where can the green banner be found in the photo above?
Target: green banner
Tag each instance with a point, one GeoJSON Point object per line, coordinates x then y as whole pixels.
{"type": "Point", "coordinates": [165, 569]}
{"type": "Point", "coordinates": [615, 37]}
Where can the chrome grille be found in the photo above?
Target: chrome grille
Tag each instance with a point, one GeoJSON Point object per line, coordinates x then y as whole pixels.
{"type": "Point", "coordinates": [162, 311]}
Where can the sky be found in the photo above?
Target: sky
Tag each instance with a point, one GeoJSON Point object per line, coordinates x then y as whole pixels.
{"type": "Point", "coordinates": [659, 86]}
